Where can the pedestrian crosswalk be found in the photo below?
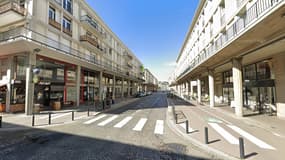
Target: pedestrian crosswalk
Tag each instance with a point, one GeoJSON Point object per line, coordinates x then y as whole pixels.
{"type": "Point", "coordinates": [140, 124]}
{"type": "Point", "coordinates": [222, 131]}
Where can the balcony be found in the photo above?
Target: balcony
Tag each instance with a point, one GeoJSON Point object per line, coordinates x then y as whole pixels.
{"type": "Point", "coordinates": [92, 25]}
{"type": "Point", "coordinates": [54, 23]}
{"type": "Point", "coordinates": [224, 41]}
{"type": "Point", "coordinates": [11, 12]}
{"type": "Point", "coordinates": [92, 41]}
{"type": "Point", "coordinates": [67, 31]}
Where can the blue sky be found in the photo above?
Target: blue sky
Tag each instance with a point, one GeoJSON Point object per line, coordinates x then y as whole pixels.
{"type": "Point", "coordinates": [154, 30]}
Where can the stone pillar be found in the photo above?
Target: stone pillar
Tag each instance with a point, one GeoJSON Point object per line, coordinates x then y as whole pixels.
{"type": "Point", "coordinates": [279, 75]}
{"type": "Point", "coordinates": [9, 77]}
{"type": "Point", "coordinates": [101, 87]}
{"type": "Point", "coordinates": [191, 90]}
{"type": "Point", "coordinates": [114, 88]}
{"type": "Point", "coordinates": [237, 82]}
{"type": "Point", "coordinates": [123, 87]}
{"type": "Point", "coordinates": [211, 88]}
{"type": "Point", "coordinates": [129, 87]}
{"type": "Point", "coordinates": [29, 97]}
{"type": "Point", "coordinates": [199, 90]}
{"type": "Point", "coordinates": [78, 78]}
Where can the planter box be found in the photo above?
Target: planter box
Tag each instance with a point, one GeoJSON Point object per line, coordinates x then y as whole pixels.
{"type": "Point", "coordinates": [2, 108]}
{"type": "Point", "coordinates": [17, 108]}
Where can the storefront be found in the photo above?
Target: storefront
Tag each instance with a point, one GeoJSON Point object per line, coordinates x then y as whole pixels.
{"type": "Point", "coordinates": [259, 86]}
{"type": "Point", "coordinates": [89, 89]}
{"type": "Point", "coordinates": [228, 91]}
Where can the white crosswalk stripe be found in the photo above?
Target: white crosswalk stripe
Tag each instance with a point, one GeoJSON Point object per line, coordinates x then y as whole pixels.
{"type": "Point", "coordinates": [95, 119]}
{"type": "Point", "coordinates": [251, 138]}
{"type": "Point", "coordinates": [229, 137]}
{"type": "Point", "coordinates": [123, 122]}
{"type": "Point", "coordinates": [139, 126]}
{"type": "Point", "coordinates": [183, 125]}
{"type": "Point", "coordinates": [60, 115]}
{"type": "Point", "coordinates": [158, 127]}
{"type": "Point", "coordinates": [108, 120]}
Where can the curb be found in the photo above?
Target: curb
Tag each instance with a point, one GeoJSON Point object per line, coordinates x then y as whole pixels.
{"type": "Point", "coordinates": [119, 105]}
{"type": "Point", "coordinates": [216, 154]}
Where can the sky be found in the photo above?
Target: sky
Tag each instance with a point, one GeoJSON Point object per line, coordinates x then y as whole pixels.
{"type": "Point", "coordinates": [154, 30]}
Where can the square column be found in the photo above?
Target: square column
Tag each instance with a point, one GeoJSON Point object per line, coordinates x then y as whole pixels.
{"type": "Point", "coordinates": [237, 82]}
{"type": "Point", "coordinates": [100, 86]}
{"type": "Point", "coordinates": [9, 77]}
{"type": "Point", "coordinates": [191, 89]}
{"type": "Point", "coordinates": [211, 88]}
{"type": "Point", "coordinates": [114, 87]}
{"type": "Point", "coordinates": [199, 90]}
{"type": "Point", "coordinates": [29, 97]}
{"type": "Point", "coordinates": [123, 87]}
{"type": "Point", "coordinates": [129, 87]}
{"type": "Point", "coordinates": [78, 77]}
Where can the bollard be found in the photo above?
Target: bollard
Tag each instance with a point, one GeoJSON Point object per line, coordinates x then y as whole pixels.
{"type": "Point", "coordinates": [187, 125]}
{"type": "Point", "coordinates": [206, 136]}
{"type": "Point", "coordinates": [33, 120]}
{"type": "Point", "coordinates": [176, 118]}
{"type": "Point", "coordinates": [0, 121]}
{"type": "Point", "coordinates": [49, 118]}
{"type": "Point", "coordinates": [88, 112]}
{"type": "Point", "coordinates": [241, 148]}
{"type": "Point", "coordinates": [72, 116]}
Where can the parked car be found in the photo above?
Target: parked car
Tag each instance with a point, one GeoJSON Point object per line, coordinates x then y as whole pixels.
{"type": "Point", "coordinates": [148, 93]}
{"type": "Point", "coordinates": [140, 94]}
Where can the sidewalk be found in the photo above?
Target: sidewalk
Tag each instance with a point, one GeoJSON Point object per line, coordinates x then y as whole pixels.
{"type": "Point", "coordinates": [20, 121]}
{"type": "Point", "coordinates": [264, 136]}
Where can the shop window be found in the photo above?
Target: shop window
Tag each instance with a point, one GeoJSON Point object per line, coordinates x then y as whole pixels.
{"type": "Point", "coordinates": [20, 67]}
{"type": "Point", "coordinates": [228, 77]}
{"type": "Point", "coordinates": [263, 70]}
{"type": "Point", "coordinates": [3, 67]}
{"type": "Point", "coordinates": [249, 72]}
{"type": "Point", "coordinates": [18, 93]}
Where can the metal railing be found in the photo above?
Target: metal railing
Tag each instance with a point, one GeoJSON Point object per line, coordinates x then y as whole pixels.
{"type": "Point", "coordinates": [259, 8]}
{"type": "Point", "coordinates": [92, 23]}
{"type": "Point", "coordinates": [30, 35]}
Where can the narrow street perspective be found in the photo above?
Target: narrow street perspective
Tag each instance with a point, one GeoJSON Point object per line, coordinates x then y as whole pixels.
{"type": "Point", "coordinates": [142, 79]}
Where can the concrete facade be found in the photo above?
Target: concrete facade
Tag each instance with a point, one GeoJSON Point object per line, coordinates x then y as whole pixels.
{"type": "Point", "coordinates": [240, 42]}
{"type": "Point", "coordinates": [74, 50]}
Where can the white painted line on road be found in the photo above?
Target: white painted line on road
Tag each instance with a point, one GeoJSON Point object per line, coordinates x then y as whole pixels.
{"type": "Point", "coordinates": [251, 138]}
{"type": "Point", "coordinates": [159, 127]}
{"type": "Point", "coordinates": [139, 126]}
{"type": "Point", "coordinates": [61, 115]}
{"type": "Point", "coordinates": [183, 125]}
{"type": "Point", "coordinates": [95, 119]}
{"type": "Point", "coordinates": [123, 122]}
{"type": "Point", "coordinates": [80, 117]}
{"type": "Point", "coordinates": [108, 120]}
{"type": "Point", "coordinates": [229, 137]}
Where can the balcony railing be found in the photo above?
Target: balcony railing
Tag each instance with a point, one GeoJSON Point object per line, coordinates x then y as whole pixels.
{"type": "Point", "coordinates": [54, 23]}
{"type": "Point", "coordinates": [12, 6]}
{"type": "Point", "coordinates": [67, 31]}
{"type": "Point", "coordinates": [89, 39]}
{"type": "Point", "coordinates": [92, 23]}
{"type": "Point", "coordinates": [259, 8]}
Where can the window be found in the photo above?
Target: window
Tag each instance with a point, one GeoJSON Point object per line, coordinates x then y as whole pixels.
{"type": "Point", "coordinates": [249, 72]}
{"type": "Point", "coordinates": [263, 70]}
{"type": "Point", "coordinates": [66, 24]}
{"type": "Point", "coordinates": [67, 5]}
{"type": "Point", "coordinates": [51, 13]}
{"type": "Point", "coordinates": [228, 77]}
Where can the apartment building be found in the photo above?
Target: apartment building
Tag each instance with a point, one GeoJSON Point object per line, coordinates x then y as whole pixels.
{"type": "Point", "coordinates": [234, 55]}
{"type": "Point", "coordinates": [150, 83]}
{"type": "Point", "coordinates": [61, 51]}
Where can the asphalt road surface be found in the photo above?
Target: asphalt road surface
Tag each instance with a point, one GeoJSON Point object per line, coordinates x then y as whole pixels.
{"type": "Point", "coordinates": [137, 131]}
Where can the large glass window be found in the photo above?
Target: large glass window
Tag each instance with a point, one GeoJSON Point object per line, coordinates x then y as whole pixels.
{"type": "Point", "coordinates": [67, 5]}
{"type": "Point", "coordinates": [228, 77]}
{"type": "Point", "coordinates": [3, 67]}
{"type": "Point", "coordinates": [20, 65]}
{"type": "Point", "coordinates": [66, 24]}
{"type": "Point", "coordinates": [263, 70]}
{"type": "Point", "coordinates": [249, 72]}
{"type": "Point", "coordinates": [51, 13]}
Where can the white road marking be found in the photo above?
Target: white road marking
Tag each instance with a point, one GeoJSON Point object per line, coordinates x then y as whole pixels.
{"type": "Point", "coordinates": [183, 125]}
{"type": "Point", "coordinates": [139, 126]}
{"type": "Point", "coordinates": [251, 138]}
{"type": "Point", "coordinates": [159, 127]}
{"type": "Point", "coordinates": [61, 115]}
{"type": "Point", "coordinates": [95, 119]}
{"type": "Point", "coordinates": [230, 138]}
{"type": "Point", "coordinates": [123, 122]}
{"type": "Point", "coordinates": [108, 120]}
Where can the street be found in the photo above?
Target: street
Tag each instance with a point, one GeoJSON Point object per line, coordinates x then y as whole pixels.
{"type": "Point", "coordinates": [135, 131]}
